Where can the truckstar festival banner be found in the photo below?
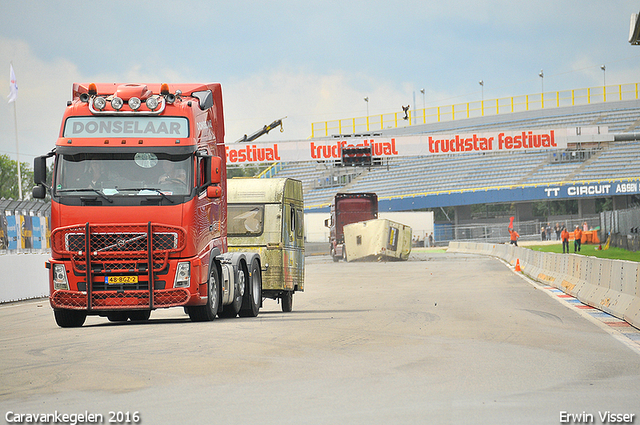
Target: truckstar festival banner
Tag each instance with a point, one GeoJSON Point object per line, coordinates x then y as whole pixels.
{"type": "Point", "coordinates": [414, 145]}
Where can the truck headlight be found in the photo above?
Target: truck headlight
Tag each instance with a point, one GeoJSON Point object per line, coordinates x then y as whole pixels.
{"type": "Point", "coordinates": [60, 277]}
{"type": "Point", "coordinates": [183, 275]}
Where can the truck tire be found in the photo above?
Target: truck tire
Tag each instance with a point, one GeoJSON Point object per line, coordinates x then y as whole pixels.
{"type": "Point", "coordinates": [332, 252]}
{"type": "Point", "coordinates": [139, 315]}
{"type": "Point", "coordinates": [253, 292]}
{"type": "Point", "coordinates": [118, 316]}
{"type": "Point", "coordinates": [207, 312]}
{"type": "Point", "coordinates": [287, 301]}
{"type": "Point", "coordinates": [232, 310]}
{"type": "Point", "coordinates": [70, 318]}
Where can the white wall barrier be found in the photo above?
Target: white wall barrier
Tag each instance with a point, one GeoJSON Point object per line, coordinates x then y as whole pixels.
{"type": "Point", "coordinates": [612, 286]}
{"type": "Point", "coordinates": [24, 276]}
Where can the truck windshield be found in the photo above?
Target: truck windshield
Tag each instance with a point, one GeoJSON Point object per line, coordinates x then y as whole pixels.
{"type": "Point", "coordinates": [131, 173]}
{"type": "Point", "coordinates": [244, 219]}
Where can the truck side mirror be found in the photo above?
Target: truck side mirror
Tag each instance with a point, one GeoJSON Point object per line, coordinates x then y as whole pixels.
{"type": "Point", "coordinates": [39, 192]}
{"type": "Point", "coordinates": [216, 169]}
{"type": "Point", "coordinates": [39, 177]}
{"type": "Point", "coordinates": [327, 223]}
{"type": "Point", "coordinates": [214, 192]}
{"type": "Point", "coordinates": [40, 170]}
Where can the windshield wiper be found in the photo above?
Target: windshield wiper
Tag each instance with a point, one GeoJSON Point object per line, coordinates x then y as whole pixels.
{"type": "Point", "coordinates": [151, 189]}
{"type": "Point", "coordinates": [87, 189]}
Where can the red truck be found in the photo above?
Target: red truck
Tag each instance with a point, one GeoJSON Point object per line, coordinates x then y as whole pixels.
{"type": "Point", "coordinates": [347, 208]}
{"type": "Point", "coordinates": [139, 207]}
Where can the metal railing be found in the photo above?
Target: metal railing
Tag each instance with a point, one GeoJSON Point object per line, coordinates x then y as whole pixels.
{"type": "Point", "coordinates": [480, 108]}
{"type": "Point", "coordinates": [498, 233]}
{"type": "Point", "coordinates": [24, 226]}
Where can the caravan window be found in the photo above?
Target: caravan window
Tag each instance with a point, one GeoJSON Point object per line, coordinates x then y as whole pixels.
{"type": "Point", "coordinates": [245, 219]}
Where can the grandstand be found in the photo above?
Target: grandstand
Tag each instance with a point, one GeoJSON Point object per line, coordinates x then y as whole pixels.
{"type": "Point", "coordinates": [427, 180]}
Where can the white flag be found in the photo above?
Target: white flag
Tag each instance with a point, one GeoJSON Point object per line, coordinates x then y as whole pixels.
{"type": "Point", "coordinates": [13, 85]}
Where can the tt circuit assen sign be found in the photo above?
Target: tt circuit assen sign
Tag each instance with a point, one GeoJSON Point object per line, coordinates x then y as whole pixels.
{"type": "Point", "coordinates": [414, 145]}
{"type": "Point", "coordinates": [607, 189]}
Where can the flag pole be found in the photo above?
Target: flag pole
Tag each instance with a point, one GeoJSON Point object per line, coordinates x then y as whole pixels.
{"type": "Point", "coordinates": [13, 96]}
{"type": "Point", "coordinates": [15, 120]}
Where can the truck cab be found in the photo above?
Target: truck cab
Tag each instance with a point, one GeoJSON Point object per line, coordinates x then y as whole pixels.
{"type": "Point", "coordinates": [347, 208]}
{"type": "Point", "coordinates": [139, 207]}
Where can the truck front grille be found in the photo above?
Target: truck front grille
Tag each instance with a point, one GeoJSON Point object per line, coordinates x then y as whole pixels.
{"type": "Point", "coordinates": [118, 248]}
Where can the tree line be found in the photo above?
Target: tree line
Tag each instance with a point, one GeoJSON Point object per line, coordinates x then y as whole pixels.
{"type": "Point", "coordinates": [9, 178]}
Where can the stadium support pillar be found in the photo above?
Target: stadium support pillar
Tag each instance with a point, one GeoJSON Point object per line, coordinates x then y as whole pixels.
{"type": "Point", "coordinates": [586, 207]}
{"type": "Point", "coordinates": [620, 202]}
{"type": "Point", "coordinates": [524, 211]}
{"type": "Point", "coordinates": [462, 214]}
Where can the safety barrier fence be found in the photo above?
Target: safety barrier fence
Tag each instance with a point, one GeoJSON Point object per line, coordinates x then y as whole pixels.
{"type": "Point", "coordinates": [24, 226]}
{"type": "Point", "coordinates": [480, 108]}
{"type": "Point", "coordinates": [612, 286]}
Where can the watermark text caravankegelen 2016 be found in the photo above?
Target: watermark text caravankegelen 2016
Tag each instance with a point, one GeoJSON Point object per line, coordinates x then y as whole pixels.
{"type": "Point", "coordinates": [86, 417]}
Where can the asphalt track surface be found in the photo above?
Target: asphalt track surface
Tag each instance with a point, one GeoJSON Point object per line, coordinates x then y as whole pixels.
{"type": "Point", "coordinates": [441, 339]}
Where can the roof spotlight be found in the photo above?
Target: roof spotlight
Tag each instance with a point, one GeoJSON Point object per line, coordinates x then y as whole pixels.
{"type": "Point", "coordinates": [117, 103]}
{"type": "Point", "coordinates": [152, 103]}
{"type": "Point", "coordinates": [134, 103]}
{"type": "Point", "coordinates": [100, 103]}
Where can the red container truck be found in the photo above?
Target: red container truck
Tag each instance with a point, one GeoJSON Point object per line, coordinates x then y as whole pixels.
{"type": "Point", "coordinates": [347, 208]}
{"type": "Point", "coordinates": [139, 207]}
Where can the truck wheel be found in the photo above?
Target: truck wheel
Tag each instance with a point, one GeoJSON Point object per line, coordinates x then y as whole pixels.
{"type": "Point", "coordinates": [207, 312]}
{"type": "Point", "coordinates": [232, 310]}
{"type": "Point", "coordinates": [287, 301]}
{"type": "Point", "coordinates": [344, 254]}
{"type": "Point", "coordinates": [253, 292]}
{"type": "Point", "coordinates": [70, 318]}
{"type": "Point", "coordinates": [333, 255]}
{"type": "Point", "coordinates": [117, 316]}
{"type": "Point", "coordinates": [139, 315]}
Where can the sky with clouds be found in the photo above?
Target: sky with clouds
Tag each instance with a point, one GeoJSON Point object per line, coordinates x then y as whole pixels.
{"type": "Point", "coordinates": [310, 61]}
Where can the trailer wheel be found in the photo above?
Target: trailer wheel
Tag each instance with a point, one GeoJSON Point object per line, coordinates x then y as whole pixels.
{"type": "Point", "coordinates": [287, 301]}
{"type": "Point", "coordinates": [253, 292]}
{"type": "Point", "coordinates": [232, 310]}
{"type": "Point", "coordinates": [207, 312]}
{"type": "Point", "coordinates": [70, 318]}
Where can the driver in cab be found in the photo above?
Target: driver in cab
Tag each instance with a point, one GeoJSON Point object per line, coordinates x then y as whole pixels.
{"type": "Point", "coordinates": [172, 174]}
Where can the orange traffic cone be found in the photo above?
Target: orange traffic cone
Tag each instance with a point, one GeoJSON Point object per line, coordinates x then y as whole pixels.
{"type": "Point", "coordinates": [518, 265]}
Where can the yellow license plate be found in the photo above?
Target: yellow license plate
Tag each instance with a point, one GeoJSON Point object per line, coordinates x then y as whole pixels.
{"type": "Point", "coordinates": [120, 280]}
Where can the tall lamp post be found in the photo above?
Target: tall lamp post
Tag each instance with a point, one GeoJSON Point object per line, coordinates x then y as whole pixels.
{"type": "Point", "coordinates": [481, 82]}
{"type": "Point", "coordinates": [541, 75]}
{"type": "Point", "coordinates": [366, 99]}
{"type": "Point", "coordinates": [424, 108]}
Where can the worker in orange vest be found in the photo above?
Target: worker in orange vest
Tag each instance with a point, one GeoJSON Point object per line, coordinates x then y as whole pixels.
{"type": "Point", "coordinates": [514, 237]}
{"type": "Point", "coordinates": [577, 239]}
{"type": "Point", "coordinates": [565, 240]}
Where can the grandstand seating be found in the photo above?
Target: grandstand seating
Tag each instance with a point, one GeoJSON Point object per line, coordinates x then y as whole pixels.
{"type": "Point", "coordinates": [413, 176]}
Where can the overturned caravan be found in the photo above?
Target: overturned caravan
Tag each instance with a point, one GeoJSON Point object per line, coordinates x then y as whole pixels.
{"type": "Point", "coordinates": [377, 240]}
